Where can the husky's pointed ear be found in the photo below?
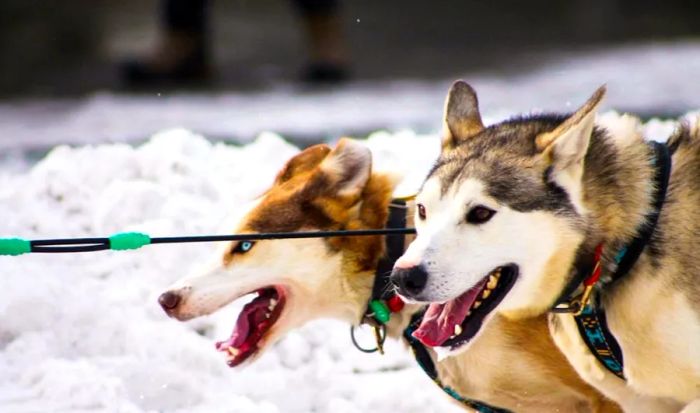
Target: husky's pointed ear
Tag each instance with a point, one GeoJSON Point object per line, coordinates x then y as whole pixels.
{"type": "Point", "coordinates": [462, 119]}
{"type": "Point", "coordinates": [566, 146]}
{"type": "Point", "coordinates": [305, 161]}
{"type": "Point", "coordinates": [348, 166]}
{"type": "Point", "coordinates": [568, 143]}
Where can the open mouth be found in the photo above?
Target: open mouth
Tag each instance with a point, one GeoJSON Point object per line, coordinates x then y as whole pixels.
{"type": "Point", "coordinates": [254, 321]}
{"type": "Point", "coordinates": [457, 321]}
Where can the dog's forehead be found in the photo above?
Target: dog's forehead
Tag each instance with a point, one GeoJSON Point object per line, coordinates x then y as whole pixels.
{"type": "Point", "coordinates": [437, 192]}
{"type": "Point", "coordinates": [515, 136]}
{"type": "Point", "coordinates": [504, 158]}
{"type": "Point", "coordinates": [497, 168]}
{"type": "Point", "coordinates": [285, 212]}
{"type": "Point", "coordinates": [508, 142]}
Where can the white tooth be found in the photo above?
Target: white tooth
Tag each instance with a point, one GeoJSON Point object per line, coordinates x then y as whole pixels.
{"type": "Point", "coordinates": [486, 294]}
{"type": "Point", "coordinates": [273, 302]}
{"type": "Point", "coordinates": [267, 315]}
{"type": "Point", "coordinates": [469, 313]}
{"type": "Point", "coordinates": [452, 337]}
{"type": "Point", "coordinates": [493, 282]}
{"type": "Point", "coordinates": [458, 329]}
{"type": "Point", "coordinates": [270, 307]}
{"type": "Point", "coordinates": [233, 351]}
{"type": "Point", "coordinates": [476, 304]}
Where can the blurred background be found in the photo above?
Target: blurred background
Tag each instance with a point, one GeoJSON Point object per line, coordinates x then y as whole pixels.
{"type": "Point", "coordinates": [65, 74]}
{"type": "Point", "coordinates": [90, 94]}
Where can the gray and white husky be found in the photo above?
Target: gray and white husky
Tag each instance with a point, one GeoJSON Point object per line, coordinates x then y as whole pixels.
{"type": "Point", "coordinates": [507, 212]}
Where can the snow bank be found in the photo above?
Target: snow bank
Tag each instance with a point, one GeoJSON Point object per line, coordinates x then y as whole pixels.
{"type": "Point", "coordinates": [83, 332]}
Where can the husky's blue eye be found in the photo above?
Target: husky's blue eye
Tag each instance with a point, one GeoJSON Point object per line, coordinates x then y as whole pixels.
{"type": "Point", "coordinates": [244, 246]}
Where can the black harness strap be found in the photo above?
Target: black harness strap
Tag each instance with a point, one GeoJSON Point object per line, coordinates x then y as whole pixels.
{"type": "Point", "coordinates": [591, 322]}
{"type": "Point", "coordinates": [378, 312]}
{"type": "Point", "coordinates": [630, 254]}
{"type": "Point", "coordinates": [394, 250]}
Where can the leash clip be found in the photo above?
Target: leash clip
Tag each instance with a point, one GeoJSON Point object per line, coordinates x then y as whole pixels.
{"type": "Point", "coordinates": [577, 304]}
{"type": "Point", "coordinates": [583, 299]}
{"type": "Point", "coordinates": [379, 337]}
{"type": "Point", "coordinates": [569, 307]}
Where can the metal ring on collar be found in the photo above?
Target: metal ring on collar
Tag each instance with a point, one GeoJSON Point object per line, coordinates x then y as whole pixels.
{"type": "Point", "coordinates": [368, 350]}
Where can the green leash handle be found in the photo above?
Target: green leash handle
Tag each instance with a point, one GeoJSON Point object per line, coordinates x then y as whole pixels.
{"type": "Point", "coordinates": [14, 246]}
{"type": "Point", "coordinates": [128, 241]}
{"type": "Point", "coordinates": [117, 242]}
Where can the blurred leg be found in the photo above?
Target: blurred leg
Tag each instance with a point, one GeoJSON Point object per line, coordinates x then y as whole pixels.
{"type": "Point", "coordinates": [181, 53]}
{"type": "Point", "coordinates": [329, 56]}
{"type": "Point", "coordinates": [184, 16]}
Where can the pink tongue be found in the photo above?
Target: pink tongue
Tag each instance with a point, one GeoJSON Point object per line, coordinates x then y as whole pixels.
{"type": "Point", "coordinates": [439, 320]}
{"type": "Point", "coordinates": [252, 313]}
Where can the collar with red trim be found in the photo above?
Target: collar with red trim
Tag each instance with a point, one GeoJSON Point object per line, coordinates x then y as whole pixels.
{"type": "Point", "coordinates": [590, 317]}
{"type": "Point", "coordinates": [587, 268]}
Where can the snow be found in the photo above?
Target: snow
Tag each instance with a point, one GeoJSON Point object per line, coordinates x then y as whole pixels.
{"type": "Point", "coordinates": [84, 333]}
{"type": "Point", "coordinates": [651, 78]}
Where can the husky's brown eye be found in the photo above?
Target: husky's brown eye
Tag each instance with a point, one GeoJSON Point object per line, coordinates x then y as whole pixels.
{"type": "Point", "coordinates": [479, 214]}
{"type": "Point", "coordinates": [421, 211]}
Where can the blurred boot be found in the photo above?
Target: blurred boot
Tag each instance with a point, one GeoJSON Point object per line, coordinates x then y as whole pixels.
{"type": "Point", "coordinates": [179, 58]}
{"type": "Point", "coordinates": [181, 54]}
{"type": "Point", "coordinates": [327, 49]}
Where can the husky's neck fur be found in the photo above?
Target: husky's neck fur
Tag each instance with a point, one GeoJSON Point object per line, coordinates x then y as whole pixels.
{"type": "Point", "coordinates": [360, 257]}
{"type": "Point", "coordinates": [617, 184]}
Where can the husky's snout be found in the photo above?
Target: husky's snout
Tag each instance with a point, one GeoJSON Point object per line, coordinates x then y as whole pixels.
{"type": "Point", "coordinates": [410, 281]}
{"type": "Point", "coordinates": [169, 301]}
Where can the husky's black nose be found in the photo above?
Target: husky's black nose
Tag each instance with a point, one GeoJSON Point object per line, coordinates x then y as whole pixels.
{"type": "Point", "coordinates": [169, 300]}
{"type": "Point", "coordinates": [410, 281]}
